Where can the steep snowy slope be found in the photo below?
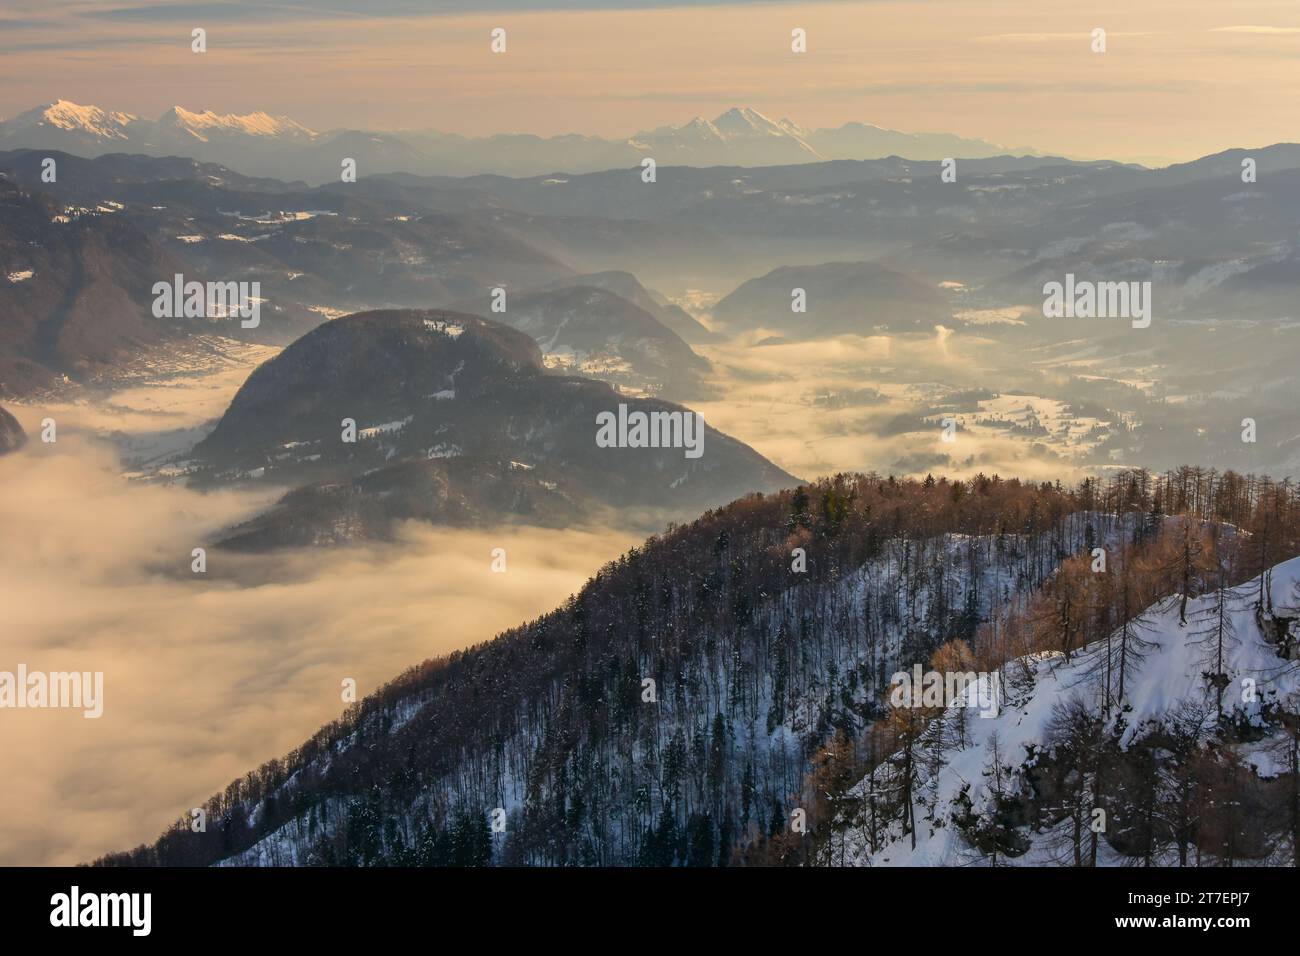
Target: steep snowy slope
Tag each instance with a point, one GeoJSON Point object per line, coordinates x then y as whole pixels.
{"type": "Point", "coordinates": [1154, 773]}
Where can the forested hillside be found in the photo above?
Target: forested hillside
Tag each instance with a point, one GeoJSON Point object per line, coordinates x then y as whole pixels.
{"type": "Point", "coordinates": [709, 683]}
{"type": "Point", "coordinates": [1173, 743]}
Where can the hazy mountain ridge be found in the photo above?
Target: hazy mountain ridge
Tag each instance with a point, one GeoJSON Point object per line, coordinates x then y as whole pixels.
{"type": "Point", "coordinates": [592, 331]}
{"type": "Point", "coordinates": [278, 146]}
{"type": "Point", "coordinates": [626, 285]}
{"type": "Point", "coordinates": [312, 254]}
{"type": "Point", "coordinates": [71, 300]}
{"type": "Point", "coordinates": [856, 298]}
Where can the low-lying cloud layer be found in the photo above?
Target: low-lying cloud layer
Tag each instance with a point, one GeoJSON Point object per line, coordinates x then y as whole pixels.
{"type": "Point", "coordinates": [207, 676]}
{"type": "Point", "coordinates": [873, 403]}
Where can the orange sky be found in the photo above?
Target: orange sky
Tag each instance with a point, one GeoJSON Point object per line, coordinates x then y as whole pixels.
{"type": "Point", "coordinates": [1180, 78]}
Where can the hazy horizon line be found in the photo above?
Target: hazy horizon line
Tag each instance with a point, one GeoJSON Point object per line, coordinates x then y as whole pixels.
{"type": "Point", "coordinates": [1018, 151]}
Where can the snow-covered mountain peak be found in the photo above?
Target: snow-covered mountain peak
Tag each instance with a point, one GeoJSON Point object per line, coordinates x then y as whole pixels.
{"type": "Point", "coordinates": [66, 115]}
{"type": "Point", "coordinates": [202, 125]}
{"type": "Point", "coordinates": [744, 120]}
{"type": "Point", "coordinates": [739, 128]}
{"type": "Point", "coordinates": [700, 126]}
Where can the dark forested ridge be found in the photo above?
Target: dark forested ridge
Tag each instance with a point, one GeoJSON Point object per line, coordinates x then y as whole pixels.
{"type": "Point", "coordinates": [456, 420]}
{"type": "Point", "coordinates": [769, 629]}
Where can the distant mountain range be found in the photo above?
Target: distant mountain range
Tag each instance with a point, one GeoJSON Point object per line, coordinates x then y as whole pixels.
{"type": "Point", "coordinates": [265, 145]}
{"type": "Point", "coordinates": [79, 256]}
